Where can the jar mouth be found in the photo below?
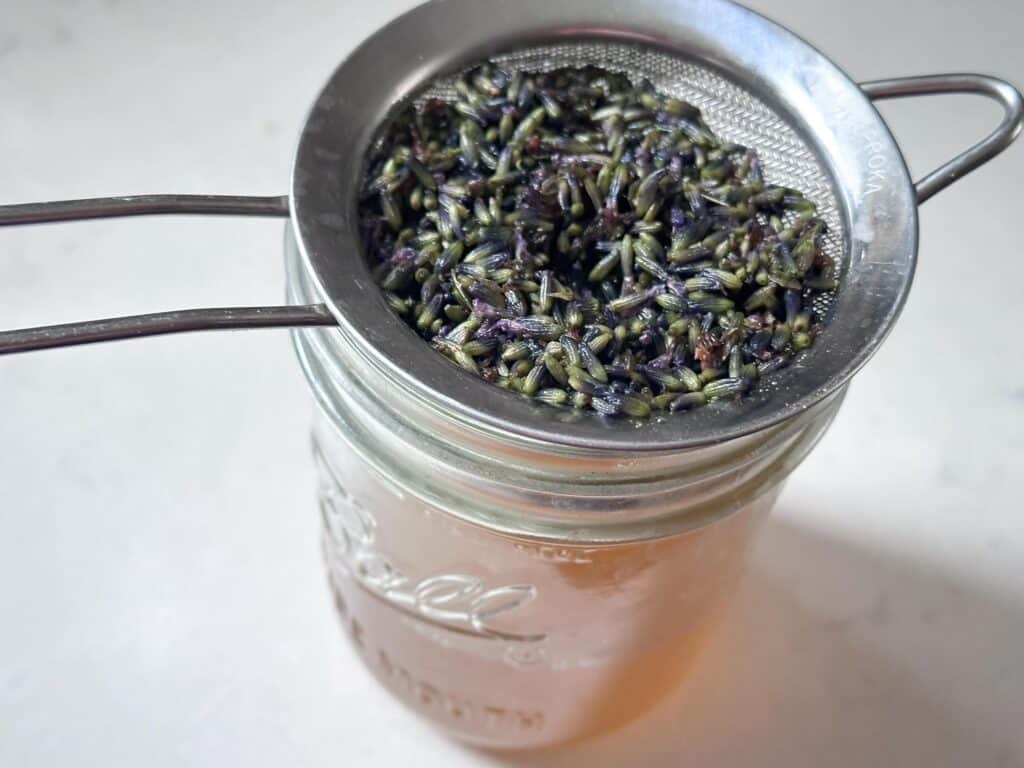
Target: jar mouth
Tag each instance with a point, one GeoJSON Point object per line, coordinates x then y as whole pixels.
{"type": "Point", "coordinates": [830, 124]}
{"type": "Point", "coordinates": [541, 490]}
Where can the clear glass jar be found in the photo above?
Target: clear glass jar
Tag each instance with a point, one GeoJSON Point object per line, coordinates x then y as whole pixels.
{"type": "Point", "coordinates": [518, 593]}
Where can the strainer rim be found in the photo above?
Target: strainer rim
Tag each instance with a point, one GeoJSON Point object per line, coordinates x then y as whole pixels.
{"type": "Point", "coordinates": [325, 232]}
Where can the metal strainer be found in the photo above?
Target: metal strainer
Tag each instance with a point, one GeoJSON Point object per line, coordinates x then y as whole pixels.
{"type": "Point", "coordinates": [757, 84]}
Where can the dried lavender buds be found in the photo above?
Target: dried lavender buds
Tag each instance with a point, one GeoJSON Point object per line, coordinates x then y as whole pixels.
{"type": "Point", "coordinates": [590, 242]}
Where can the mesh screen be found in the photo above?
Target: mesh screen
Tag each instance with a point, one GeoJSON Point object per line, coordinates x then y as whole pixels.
{"type": "Point", "coordinates": [731, 111]}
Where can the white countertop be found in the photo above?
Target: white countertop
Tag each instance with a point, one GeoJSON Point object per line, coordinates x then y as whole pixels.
{"type": "Point", "coordinates": [162, 593]}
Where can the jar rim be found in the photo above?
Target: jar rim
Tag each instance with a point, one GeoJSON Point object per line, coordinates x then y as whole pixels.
{"type": "Point", "coordinates": [543, 491]}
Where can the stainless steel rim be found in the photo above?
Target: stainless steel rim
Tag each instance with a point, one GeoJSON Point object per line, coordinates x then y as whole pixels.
{"type": "Point", "coordinates": [827, 108]}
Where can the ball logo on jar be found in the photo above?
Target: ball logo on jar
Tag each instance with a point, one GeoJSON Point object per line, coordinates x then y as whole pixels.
{"type": "Point", "coordinates": [455, 601]}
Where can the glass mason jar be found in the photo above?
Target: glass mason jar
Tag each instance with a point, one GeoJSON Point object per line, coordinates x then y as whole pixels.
{"type": "Point", "coordinates": [518, 593]}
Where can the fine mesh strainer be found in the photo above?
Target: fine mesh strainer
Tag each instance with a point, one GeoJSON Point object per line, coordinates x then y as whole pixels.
{"type": "Point", "coordinates": [757, 84]}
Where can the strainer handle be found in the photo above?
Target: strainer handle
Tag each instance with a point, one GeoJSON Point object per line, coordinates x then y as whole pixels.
{"type": "Point", "coordinates": [159, 323]}
{"type": "Point", "coordinates": [141, 205]}
{"type": "Point", "coordinates": [163, 323]}
{"type": "Point", "coordinates": [999, 90]}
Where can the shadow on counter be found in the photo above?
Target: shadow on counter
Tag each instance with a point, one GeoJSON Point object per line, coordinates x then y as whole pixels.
{"type": "Point", "coordinates": [834, 655]}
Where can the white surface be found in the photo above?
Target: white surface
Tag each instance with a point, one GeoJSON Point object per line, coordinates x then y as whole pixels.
{"type": "Point", "coordinates": [161, 590]}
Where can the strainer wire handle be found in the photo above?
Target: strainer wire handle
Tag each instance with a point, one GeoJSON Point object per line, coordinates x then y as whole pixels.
{"type": "Point", "coordinates": [993, 144]}
{"type": "Point", "coordinates": [158, 323]}
{"type": "Point", "coordinates": [162, 323]}
{"type": "Point", "coordinates": [46, 337]}
{"type": "Point", "coordinates": [141, 205]}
